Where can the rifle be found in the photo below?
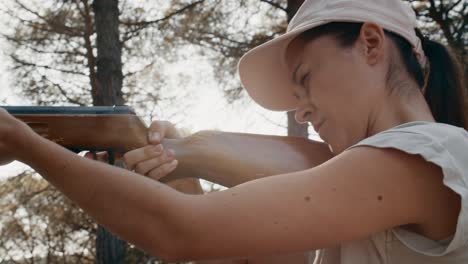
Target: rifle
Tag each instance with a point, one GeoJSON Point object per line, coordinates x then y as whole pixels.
{"type": "Point", "coordinates": [118, 129]}
{"type": "Point", "coordinates": [98, 128]}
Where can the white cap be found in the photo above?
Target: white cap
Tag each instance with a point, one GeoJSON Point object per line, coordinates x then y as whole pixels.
{"type": "Point", "coordinates": [263, 71]}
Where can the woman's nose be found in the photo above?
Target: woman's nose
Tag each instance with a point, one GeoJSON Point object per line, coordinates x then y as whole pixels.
{"type": "Point", "coordinates": [302, 115]}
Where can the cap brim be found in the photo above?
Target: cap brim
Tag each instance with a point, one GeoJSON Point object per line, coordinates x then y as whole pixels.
{"type": "Point", "coordinates": [264, 73]}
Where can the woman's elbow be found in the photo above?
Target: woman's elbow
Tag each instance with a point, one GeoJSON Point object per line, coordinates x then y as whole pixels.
{"type": "Point", "coordinates": [175, 238]}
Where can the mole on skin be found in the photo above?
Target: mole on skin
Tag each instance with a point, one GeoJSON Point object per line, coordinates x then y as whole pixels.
{"type": "Point", "coordinates": [307, 198]}
{"type": "Point", "coordinates": [380, 198]}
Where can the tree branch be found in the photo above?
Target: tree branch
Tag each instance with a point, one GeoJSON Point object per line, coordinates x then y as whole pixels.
{"type": "Point", "coordinates": [453, 5]}
{"type": "Point", "coordinates": [64, 93]}
{"type": "Point", "coordinates": [130, 74]}
{"type": "Point", "coordinates": [143, 24]}
{"type": "Point", "coordinates": [74, 53]}
{"type": "Point", "coordinates": [156, 21]}
{"type": "Point", "coordinates": [25, 63]}
{"type": "Point", "coordinates": [436, 15]}
{"type": "Point", "coordinates": [276, 5]}
{"type": "Point", "coordinates": [60, 27]}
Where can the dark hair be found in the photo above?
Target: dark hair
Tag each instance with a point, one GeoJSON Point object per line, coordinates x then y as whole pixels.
{"type": "Point", "coordinates": [444, 90]}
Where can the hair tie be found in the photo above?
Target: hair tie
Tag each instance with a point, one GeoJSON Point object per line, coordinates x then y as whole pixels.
{"type": "Point", "coordinates": [421, 43]}
{"type": "Point", "coordinates": [421, 56]}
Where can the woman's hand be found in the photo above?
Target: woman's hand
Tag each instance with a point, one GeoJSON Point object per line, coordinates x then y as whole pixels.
{"type": "Point", "coordinates": [13, 136]}
{"type": "Point", "coordinates": [153, 160]}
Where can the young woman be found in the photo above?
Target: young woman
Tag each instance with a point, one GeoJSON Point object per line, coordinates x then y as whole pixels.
{"type": "Point", "coordinates": [385, 99]}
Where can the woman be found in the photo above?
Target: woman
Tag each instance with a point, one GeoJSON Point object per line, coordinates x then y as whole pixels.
{"type": "Point", "coordinates": [395, 191]}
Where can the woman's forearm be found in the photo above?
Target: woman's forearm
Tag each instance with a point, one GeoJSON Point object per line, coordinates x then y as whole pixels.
{"type": "Point", "coordinates": [230, 159]}
{"type": "Point", "coordinates": [133, 207]}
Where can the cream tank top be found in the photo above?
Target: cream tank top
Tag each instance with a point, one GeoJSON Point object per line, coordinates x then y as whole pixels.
{"type": "Point", "coordinates": [441, 144]}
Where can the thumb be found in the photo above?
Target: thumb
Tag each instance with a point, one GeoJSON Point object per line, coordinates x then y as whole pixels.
{"type": "Point", "coordinates": [157, 131]}
{"type": "Point", "coordinates": [154, 137]}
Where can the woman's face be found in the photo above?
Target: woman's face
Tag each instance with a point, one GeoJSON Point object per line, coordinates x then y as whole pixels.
{"type": "Point", "coordinates": [336, 87]}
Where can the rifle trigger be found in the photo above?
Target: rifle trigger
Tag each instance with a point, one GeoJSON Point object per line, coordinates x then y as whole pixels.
{"type": "Point", "coordinates": [111, 157]}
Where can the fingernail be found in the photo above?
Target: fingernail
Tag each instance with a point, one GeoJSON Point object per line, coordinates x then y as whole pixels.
{"type": "Point", "coordinates": [155, 136]}
{"type": "Point", "coordinates": [173, 163]}
{"type": "Point", "coordinates": [170, 153]}
{"type": "Point", "coordinates": [158, 148]}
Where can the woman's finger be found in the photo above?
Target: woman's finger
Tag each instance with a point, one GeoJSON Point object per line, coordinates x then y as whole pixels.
{"type": "Point", "coordinates": [133, 157]}
{"type": "Point", "coordinates": [163, 170]}
{"type": "Point", "coordinates": [144, 167]}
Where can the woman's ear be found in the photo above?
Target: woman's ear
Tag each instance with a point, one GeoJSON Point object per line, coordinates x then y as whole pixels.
{"type": "Point", "coordinates": [372, 39]}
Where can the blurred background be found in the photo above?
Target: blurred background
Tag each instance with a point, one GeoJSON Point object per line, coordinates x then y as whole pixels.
{"type": "Point", "coordinates": [168, 59]}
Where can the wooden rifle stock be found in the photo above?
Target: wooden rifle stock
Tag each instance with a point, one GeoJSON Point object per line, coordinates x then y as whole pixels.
{"type": "Point", "coordinates": [98, 128]}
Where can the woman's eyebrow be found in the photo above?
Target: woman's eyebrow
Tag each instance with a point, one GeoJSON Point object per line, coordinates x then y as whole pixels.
{"type": "Point", "coordinates": [294, 76]}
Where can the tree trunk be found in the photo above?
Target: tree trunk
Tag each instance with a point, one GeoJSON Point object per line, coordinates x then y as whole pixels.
{"type": "Point", "coordinates": [293, 6]}
{"type": "Point", "coordinates": [109, 249]}
{"type": "Point", "coordinates": [109, 53]}
{"type": "Point", "coordinates": [294, 128]}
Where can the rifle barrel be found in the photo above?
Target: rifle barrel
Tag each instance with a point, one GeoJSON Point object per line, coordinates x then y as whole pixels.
{"type": "Point", "coordinates": [97, 128]}
{"type": "Point", "coordinates": [70, 110]}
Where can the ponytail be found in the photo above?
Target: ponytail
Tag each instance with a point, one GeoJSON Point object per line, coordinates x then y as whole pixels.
{"type": "Point", "coordinates": [444, 89]}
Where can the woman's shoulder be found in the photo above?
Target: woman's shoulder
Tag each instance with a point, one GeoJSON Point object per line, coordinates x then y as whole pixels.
{"type": "Point", "coordinates": [430, 129]}
{"type": "Point", "coordinates": [419, 136]}
{"type": "Point", "coordinates": [445, 146]}
{"type": "Point", "coordinates": [441, 144]}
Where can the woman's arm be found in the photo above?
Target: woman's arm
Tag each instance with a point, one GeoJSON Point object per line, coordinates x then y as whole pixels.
{"type": "Point", "coordinates": [137, 209]}
{"type": "Point", "coordinates": [344, 199]}
{"type": "Point", "coordinates": [356, 194]}
{"type": "Point", "coordinates": [230, 159]}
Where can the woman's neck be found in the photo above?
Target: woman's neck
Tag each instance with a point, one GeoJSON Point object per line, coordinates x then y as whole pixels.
{"type": "Point", "coordinates": [398, 110]}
